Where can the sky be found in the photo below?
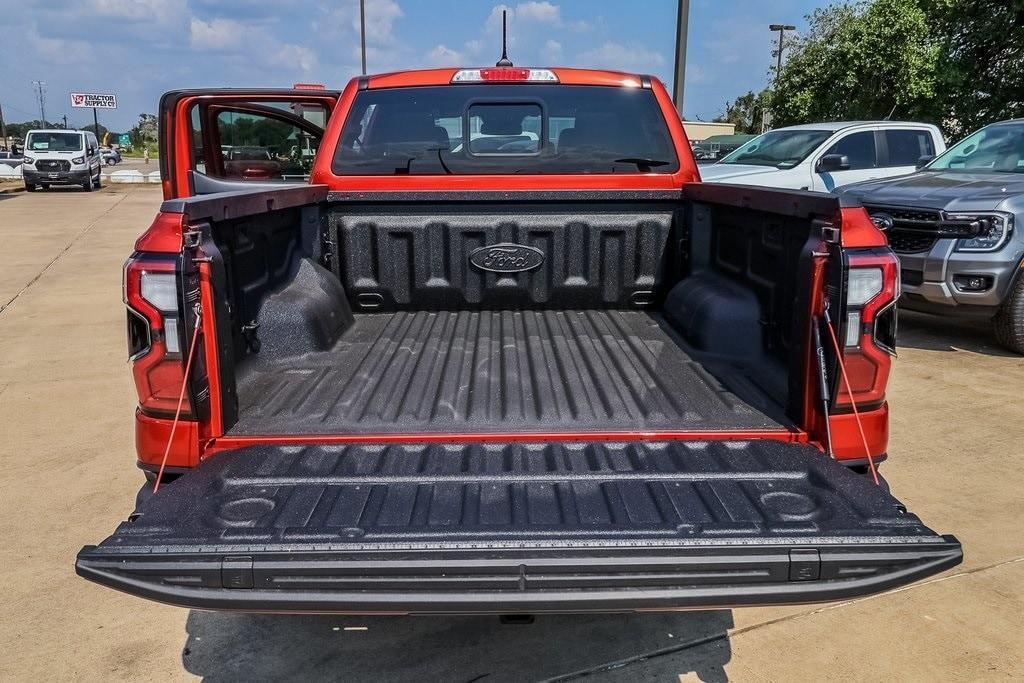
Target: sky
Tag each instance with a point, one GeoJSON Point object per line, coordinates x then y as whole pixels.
{"type": "Point", "coordinates": [138, 49]}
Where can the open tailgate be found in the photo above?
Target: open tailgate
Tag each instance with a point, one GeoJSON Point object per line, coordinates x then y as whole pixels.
{"type": "Point", "coordinates": [503, 528]}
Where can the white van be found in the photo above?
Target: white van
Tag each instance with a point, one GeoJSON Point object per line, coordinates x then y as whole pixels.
{"type": "Point", "coordinates": [61, 157]}
{"type": "Point", "coordinates": [824, 156]}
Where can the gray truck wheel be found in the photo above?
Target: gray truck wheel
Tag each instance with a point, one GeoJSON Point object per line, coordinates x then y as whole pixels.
{"type": "Point", "coordinates": [1009, 319]}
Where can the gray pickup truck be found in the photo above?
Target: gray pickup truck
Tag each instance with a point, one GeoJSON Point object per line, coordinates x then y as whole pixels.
{"type": "Point", "coordinates": [953, 225]}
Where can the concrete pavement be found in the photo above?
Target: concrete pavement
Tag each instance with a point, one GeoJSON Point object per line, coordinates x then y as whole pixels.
{"type": "Point", "coordinates": [67, 477]}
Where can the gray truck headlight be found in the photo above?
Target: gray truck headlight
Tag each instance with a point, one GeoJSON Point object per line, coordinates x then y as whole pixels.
{"type": "Point", "coordinates": [995, 228]}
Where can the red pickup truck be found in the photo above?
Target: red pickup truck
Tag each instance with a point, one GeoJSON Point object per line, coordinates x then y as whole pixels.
{"type": "Point", "coordinates": [498, 350]}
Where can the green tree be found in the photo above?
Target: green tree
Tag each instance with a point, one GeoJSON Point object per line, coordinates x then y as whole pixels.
{"type": "Point", "coordinates": [861, 61]}
{"type": "Point", "coordinates": [981, 63]}
{"type": "Point", "coordinates": [99, 131]}
{"type": "Point", "coordinates": [144, 134]}
{"type": "Point", "coordinates": [745, 112]}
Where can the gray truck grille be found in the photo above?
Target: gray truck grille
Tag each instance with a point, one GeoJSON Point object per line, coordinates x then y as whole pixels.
{"type": "Point", "coordinates": [909, 234]}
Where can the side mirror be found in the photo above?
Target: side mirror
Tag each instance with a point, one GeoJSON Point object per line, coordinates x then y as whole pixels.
{"type": "Point", "coordinates": [834, 162]}
{"type": "Point", "coordinates": [924, 161]}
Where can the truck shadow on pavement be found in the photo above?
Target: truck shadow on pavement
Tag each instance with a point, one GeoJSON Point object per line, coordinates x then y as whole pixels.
{"type": "Point", "coordinates": [936, 333]}
{"type": "Point", "coordinates": [225, 646]}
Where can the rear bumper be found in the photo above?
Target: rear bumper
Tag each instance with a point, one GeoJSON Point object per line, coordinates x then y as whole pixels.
{"type": "Point", "coordinates": [479, 582]}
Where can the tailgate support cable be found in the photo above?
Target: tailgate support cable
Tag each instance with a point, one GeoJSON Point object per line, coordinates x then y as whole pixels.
{"type": "Point", "coordinates": [181, 396]}
{"type": "Point", "coordinates": [849, 391]}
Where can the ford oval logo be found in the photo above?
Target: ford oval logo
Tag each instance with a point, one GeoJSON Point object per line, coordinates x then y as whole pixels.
{"type": "Point", "coordinates": [506, 258]}
{"type": "Point", "coordinates": [882, 221]}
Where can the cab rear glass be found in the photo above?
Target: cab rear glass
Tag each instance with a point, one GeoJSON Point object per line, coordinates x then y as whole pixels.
{"type": "Point", "coordinates": [505, 129]}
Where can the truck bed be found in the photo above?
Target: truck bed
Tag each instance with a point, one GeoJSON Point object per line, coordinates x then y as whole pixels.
{"type": "Point", "coordinates": [480, 371]}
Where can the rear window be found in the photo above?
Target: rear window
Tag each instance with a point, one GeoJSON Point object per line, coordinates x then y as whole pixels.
{"type": "Point", "coordinates": [505, 129]}
{"type": "Point", "coordinates": [907, 146]}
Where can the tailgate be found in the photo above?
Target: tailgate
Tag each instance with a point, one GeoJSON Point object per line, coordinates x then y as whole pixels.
{"type": "Point", "coordinates": [505, 528]}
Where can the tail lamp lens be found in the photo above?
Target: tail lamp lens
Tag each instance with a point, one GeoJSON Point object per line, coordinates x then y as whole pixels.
{"type": "Point", "coordinates": [161, 290]}
{"type": "Point", "coordinates": [864, 284]}
{"type": "Point", "coordinates": [151, 294]}
{"type": "Point", "coordinates": [872, 288]}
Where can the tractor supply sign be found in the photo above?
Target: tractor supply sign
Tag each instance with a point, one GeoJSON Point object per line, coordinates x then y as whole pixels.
{"type": "Point", "coordinates": [92, 99]}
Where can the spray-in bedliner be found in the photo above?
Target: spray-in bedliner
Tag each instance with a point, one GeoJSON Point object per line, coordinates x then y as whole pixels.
{"type": "Point", "coordinates": [501, 371]}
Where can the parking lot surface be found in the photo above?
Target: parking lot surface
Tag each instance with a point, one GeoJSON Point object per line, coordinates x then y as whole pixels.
{"type": "Point", "coordinates": [68, 477]}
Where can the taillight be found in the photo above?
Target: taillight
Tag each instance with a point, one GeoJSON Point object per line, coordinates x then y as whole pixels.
{"type": "Point", "coordinates": [869, 328]}
{"type": "Point", "coordinates": [154, 334]}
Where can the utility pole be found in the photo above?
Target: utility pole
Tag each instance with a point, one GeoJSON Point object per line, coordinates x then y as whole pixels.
{"type": "Point", "coordinates": [65, 117]}
{"type": "Point", "coordinates": [3, 126]}
{"type": "Point", "coordinates": [766, 119]}
{"type": "Point", "coordinates": [781, 28]}
{"type": "Point", "coordinates": [41, 91]}
{"type": "Point", "coordinates": [682, 29]}
{"type": "Point", "coordinates": [362, 32]}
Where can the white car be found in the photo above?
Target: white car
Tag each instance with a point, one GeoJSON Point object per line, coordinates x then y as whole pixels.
{"type": "Point", "coordinates": [824, 156]}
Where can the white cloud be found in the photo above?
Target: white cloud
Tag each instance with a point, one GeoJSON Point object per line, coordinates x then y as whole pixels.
{"type": "Point", "coordinates": [493, 22]}
{"type": "Point", "coordinates": [612, 55]}
{"type": "Point", "coordinates": [216, 34]}
{"type": "Point", "coordinates": [552, 51]}
{"type": "Point", "coordinates": [539, 12]}
{"type": "Point", "coordinates": [474, 47]}
{"type": "Point", "coordinates": [524, 13]}
{"type": "Point", "coordinates": [64, 52]}
{"type": "Point", "coordinates": [381, 16]}
{"type": "Point", "coordinates": [442, 55]}
{"type": "Point", "coordinates": [240, 40]}
{"type": "Point", "coordinates": [296, 55]}
{"type": "Point", "coordinates": [137, 10]}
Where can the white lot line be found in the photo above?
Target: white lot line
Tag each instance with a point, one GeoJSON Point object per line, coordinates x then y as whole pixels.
{"type": "Point", "coordinates": [63, 251]}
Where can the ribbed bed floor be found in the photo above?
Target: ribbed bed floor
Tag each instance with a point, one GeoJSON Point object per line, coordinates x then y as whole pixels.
{"type": "Point", "coordinates": [500, 371]}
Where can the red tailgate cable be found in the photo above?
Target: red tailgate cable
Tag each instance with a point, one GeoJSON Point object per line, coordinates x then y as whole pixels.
{"type": "Point", "coordinates": [849, 391]}
{"type": "Point", "coordinates": [181, 396]}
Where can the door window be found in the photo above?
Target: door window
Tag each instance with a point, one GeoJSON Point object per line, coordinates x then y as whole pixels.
{"type": "Point", "coordinates": [859, 148]}
{"type": "Point", "coordinates": [906, 146]}
{"type": "Point", "coordinates": [272, 141]}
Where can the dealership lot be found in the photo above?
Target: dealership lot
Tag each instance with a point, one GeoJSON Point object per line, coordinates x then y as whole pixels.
{"type": "Point", "coordinates": [68, 476]}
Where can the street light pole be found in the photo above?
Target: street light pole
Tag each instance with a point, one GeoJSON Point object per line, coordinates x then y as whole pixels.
{"type": "Point", "coordinates": [679, 77]}
{"type": "Point", "coordinates": [362, 32]}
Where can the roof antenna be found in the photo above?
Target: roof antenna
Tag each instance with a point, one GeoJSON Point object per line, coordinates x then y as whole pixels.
{"type": "Point", "coordinates": [504, 61]}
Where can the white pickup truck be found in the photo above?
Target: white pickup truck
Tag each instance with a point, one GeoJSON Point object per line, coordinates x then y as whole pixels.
{"type": "Point", "coordinates": [823, 156]}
